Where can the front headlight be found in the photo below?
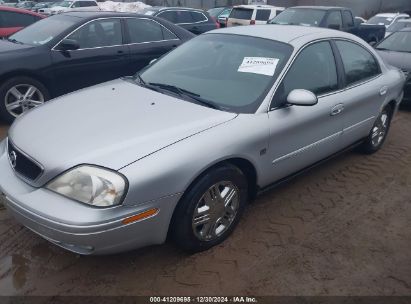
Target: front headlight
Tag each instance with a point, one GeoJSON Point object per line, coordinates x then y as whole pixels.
{"type": "Point", "coordinates": [91, 185]}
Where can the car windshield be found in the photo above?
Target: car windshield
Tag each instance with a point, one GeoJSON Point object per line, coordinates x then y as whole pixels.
{"type": "Point", "coordinates": [44, 31]}
{"type": "Point", "coordinates": [307, 17]}
{"type": "Point", "coordinates": [232, 72]}
{"type": "Point", "coordinates": [380, 20]}
{"type": "Point", "coordinates": [398, 26]}
{"type": "Point", "coordinates": [397, 42]}
{"type": "Point", "coordinates": [65, 3]}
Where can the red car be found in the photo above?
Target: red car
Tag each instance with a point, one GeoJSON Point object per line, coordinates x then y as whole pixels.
{"type": "Point", "coordinates": [14, 19]}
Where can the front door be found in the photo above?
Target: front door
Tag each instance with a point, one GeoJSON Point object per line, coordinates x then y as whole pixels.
{"type": "Point", "coordinates": [102, 56]}
{"type": "Point", "coordinates": [303, 135]}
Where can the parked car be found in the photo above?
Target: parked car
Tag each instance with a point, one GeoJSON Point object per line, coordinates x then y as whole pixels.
{"type": "Point", "coordinates": [181, 147]}
{"type": "Point", "coordinates": [14, 19]}
{"type": "Point", "coordinates": [359, 20]}
{"type": "Point", "coordinates": [220, 14]}
{"type": "Point", "coordinates": [26, 4]}
{"type": "Point", "coordinates": [337, 18]}
{"type": "Point", "coordinates": [74, 50]}
{"type": "Point", "coordinates": [41, 5]}
{"type": "Point", "coordinates": [399, 25]}
{"type": "Point", "coordinates": [194, 20]}
{"type": "Point", "coordinates": [74, 5]}
{"type": "Point", "coordinates": [11, 3]}
{"type": "Point", "coordinates": [387, 19]}
{"type": "Point", "coordinates": [396, 50]}
{"type": "Point", "coordinates": [252, 14]}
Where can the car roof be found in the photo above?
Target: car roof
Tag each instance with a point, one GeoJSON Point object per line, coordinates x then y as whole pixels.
{"type": "Point", "coordinates": [322, 8]}
{"type": "Point", "coordinates": [20, 10]}
{"type": "Point", "coordinates": [390, 15]}
{"type": "Point", "coordinates": [283, 33]}
{"type": "Point", "coordinates": [180, 8]}
{"type": "Point", "coordinates": [97, 14]}
{"type": "Point", "coordinates": [253, 6]}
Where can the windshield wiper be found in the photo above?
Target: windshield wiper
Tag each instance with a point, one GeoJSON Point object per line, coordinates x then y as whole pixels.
{"type": "Point", "coordinates": [184, 93]}
{"type": "Point", "coordinates": [14, 41]}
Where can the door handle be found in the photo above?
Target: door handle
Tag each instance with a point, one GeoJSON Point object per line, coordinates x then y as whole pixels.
{"type": "Point", "coordinates": [337, 109]}
{"type": "Point", "coordinates": [383, 90]}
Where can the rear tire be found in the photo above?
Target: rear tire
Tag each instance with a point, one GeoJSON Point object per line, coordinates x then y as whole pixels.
{"type": "Point", "coordinates": [20, 94]}
{"type": "Point", "coordinates": [378, 133]}
{"type": "Point", "coordinates": [210, 209]}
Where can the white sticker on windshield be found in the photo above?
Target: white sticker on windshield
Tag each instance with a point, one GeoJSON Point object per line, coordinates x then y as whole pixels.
{"type": "Point", "coordinates": [149, 13]}
{"type": "Point", "coordinates": [259, 65]}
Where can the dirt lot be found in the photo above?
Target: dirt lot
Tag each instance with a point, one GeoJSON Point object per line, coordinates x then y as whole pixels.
{"type": "Point", "coordinates": [342, 229]}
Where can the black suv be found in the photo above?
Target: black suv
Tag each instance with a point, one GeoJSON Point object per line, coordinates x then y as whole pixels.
{"type": "Point", "coordinates": [194, 20]}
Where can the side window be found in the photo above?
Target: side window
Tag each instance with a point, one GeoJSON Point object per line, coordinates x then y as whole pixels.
{"type": "Point", "coordinates": [334, 18]}
{"type": "Point", "coordinates": [348, 19]}
{"type": "Point", "coordinates": [184, 17]}
{"type": "Point", "coordinates": [144, 30]}
{"type": "Point", "coordinates": [198, 17]}
{"type": "Point", "coordinates": [12, 19]}
{"type": "Point", "coordinates": [99, 33]}
{"type": "Point", "coordinates": [167, 34]}
{"type": "Point", "coordinates": [359, 64]}
{"type": "Point", "coordinates": [76, 4]}
{"type": "Point", "coordinates": [313, 70]}
{"type": "Point", "coordinates": [169, 16]}
{"type": "Point", "coordinates": [262, 15]}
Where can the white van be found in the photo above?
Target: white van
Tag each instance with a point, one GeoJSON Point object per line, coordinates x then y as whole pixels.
{"type": "Point", "coordinates": [252, 14]}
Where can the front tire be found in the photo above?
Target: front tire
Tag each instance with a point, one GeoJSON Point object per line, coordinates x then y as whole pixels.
{"type": "Point", "coordinates": [20, 94]}
{"type": "Point", "coordinates": [210, 209]}
{"type": "Point", "coordinates": [379, 132]}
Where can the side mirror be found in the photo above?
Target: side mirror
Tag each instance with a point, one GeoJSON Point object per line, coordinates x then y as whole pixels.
{"type": "Point", "coordinates": [373, 43]}
{"type": "Point", "coordinates": [68, 45]}
{"type": "Point", "coordinates": [302, 98]}
{"type": "Point", "coordinates": [334, 26]}
{"type": "Point", "coordinates": [152, 61]}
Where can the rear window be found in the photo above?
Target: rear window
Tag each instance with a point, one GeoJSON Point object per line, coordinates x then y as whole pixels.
{"type": "Point", "coordinates": [198, 17]}
{"type": "Point", "coordinates": [13, 19]}
{"type": "Point", "coordinates": [263, 15]}
{"type": "Point", "coordinates": [241, 13]}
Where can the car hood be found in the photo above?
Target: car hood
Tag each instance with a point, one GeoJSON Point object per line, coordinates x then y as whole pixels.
{"type": "Point", "coordinates": [400, 60]}
{"type": "Point", "coordinates": [110, 125]}
{"type": "Point", "coordinates": [7, 47]}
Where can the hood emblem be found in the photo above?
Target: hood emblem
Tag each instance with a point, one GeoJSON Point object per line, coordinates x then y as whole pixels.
{"type": "Point", "coordinates": [13, 158]}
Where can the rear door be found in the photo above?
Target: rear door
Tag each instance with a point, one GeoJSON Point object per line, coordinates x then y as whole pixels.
{"type": "Point", "coordinates": [147, 40]}
{"type": "Point", "coordinates": [102, 56]}
{"type": "Point", "coordinates": [364, 91]}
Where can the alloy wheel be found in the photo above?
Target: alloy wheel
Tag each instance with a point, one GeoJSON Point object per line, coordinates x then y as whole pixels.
{"type": "Point", "coordinates": [380, 129]}
{"type": "Point", "coordinates": [216, 211]}
{"type": "Point", "coordinates": [21, 98]}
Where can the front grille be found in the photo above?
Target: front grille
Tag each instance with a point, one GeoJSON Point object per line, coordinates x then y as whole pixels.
{"type": "Point", "coordinates": [22, 164]}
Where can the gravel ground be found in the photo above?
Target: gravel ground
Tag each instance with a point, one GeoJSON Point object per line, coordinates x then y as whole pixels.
{"type": "Point", "coordinates": [343, 228]}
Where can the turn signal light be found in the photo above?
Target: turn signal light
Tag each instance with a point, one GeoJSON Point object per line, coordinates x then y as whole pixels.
{"type": "Point", "coordinates": [140, 216]}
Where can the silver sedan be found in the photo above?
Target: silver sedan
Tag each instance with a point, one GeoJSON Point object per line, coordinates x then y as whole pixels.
{"type": "Point", "coordinates": [179, 149]}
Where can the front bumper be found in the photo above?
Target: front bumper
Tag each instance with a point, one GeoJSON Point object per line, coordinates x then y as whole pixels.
{"type": "Point", "coordinates": [81, 228]}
